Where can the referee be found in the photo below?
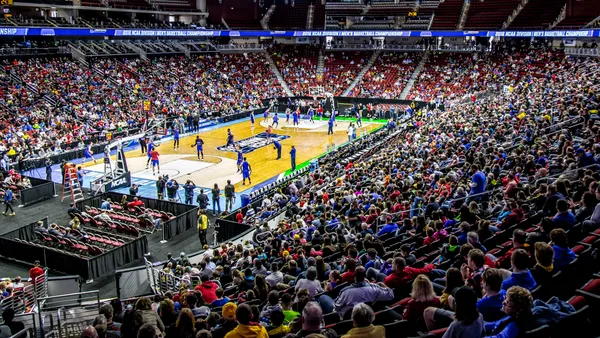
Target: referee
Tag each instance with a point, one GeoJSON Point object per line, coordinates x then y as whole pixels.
{"type": "Point", "coordinates": [202, 226]}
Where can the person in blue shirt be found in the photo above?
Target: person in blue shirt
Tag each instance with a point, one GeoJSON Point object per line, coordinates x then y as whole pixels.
{"type": "Point", "coordinates": [266, 116]}
{"type": "Point", "coordinates": [373, 260]}
{"type": "Point", "coordinates": [275, 121]}
{"type": "Point", "coordinates": [287, 116]}
{"type": "Point", "coordinates": [240, 159]}
{"type": "Point", "coordinates": [277, 145]}
{"type": "Point", "coordinates": [8, 198]}
{"type": "Point", "coordinates": [478, 182]}
{"type": "Point", "coordinates": [490, 306]}
{"type": "Point", "coordinates": [518, 306]}
{"type": "Point", "coordinates": [175, 138]}
{"type": "Point", "coordinates": [296, 118]}
{"type": "Point", "coordinates": [564, 218]}
{"type": "Point", "coordinates": [293, 157]}
{"type": "Point", "coordinates": [105, 205]}
{"type": "Point", "coordinates": [149, 148]}
{"type": "Point", "coordinates": [330, 124]}
{"type": "Point", "coordinates": [89, 153]}
{"type": "Point", "coordinates": [246, 171]}
{"type": "Point", "coordinates": [189, 187]}
{"type": "Point", "coordinates": [563, 255]}
{"type": "Point", "coordinates": [252, 118]}
{"type": "Point", "coordinates": [80, 176]}
{"type": "Point", "coordinates": [584, 158]}
{"type": "Point", "coordinates": [199, 150]}
{"type": "Point", "coordinates": [311, 114]}
{"type": "Point", "coordinates": [392, 227]}
{"type": "Point", "coordinates": [520, 276]}
{"type": "Point", "coordinates": [229, 138]}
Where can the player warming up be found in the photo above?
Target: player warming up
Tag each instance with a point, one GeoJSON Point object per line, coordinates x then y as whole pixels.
{"type": "Point", "coordinates": [89, 153]}
{"type": "Point", "coordinates": [296, 117]}
{"type": "Point", "coordinates": [246, 171]}
{"type": "Point", "coordinates": [275, 121]}
{"type": "Point", "coordinates": [199, 143]}
{"type": "Point", "coordinates": [252, 119]}
{"type": "Point", "coordinates": [175, 138]}
{"type": "Point", "coordinates": [155, 163]}
{"type": "Point", "coordinates": [150, 147]}
{"type": "Point", "coordinates": [240, 159]}
{"type": "Point", "coordinates": [229, 138]}
{"type": "Point", "coordinates": [287, 116]}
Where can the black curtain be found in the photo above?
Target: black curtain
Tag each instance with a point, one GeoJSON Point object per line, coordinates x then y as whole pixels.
{"type": "Point", "coordinates": [87, 268]}
{"type": "Point", "coordinates": [40, 190]}
{"type": "Point", "coordinates": [228, 229]}
{"type": "Point", "coordinates": [25, 233]}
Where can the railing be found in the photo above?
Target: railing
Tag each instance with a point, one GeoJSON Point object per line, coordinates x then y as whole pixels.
{"type": "Point", "coordinates": [583, 51]}
{"type": "Point", "coordinates": [241, 47]}
{"type": "Point", "coordinates": [514, 14]}
{"type": "Point", "coordinates": [160, 281]}
{"type": "Point", "coordinates": [25, 299]}
{"type": "Point", "coordinates": [561, 16]}
{"type": "Point", "coordinates": [73, 311]}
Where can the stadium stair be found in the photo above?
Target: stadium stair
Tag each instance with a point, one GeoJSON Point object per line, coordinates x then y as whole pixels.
{"type": "Point", "coordinates": [362, 72]}
{"type": "Point", "coordinates": [275, 71]}
{"type": "Point", "coordinates": [264, 22]}
{"type": "Point", "coordinates": [463, 15]}
{"type": "Point", "coordinates": [309, 17]}
{"type": "Point", "coordinates": [414, 76]}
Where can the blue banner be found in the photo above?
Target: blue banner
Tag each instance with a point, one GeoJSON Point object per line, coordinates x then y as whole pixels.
{"type": "Point", "coordinates": [60, 31]}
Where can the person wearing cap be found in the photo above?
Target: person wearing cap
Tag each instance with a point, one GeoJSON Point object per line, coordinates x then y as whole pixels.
{"type": "Point", "coordinates": [247, 325]}
{"type": "Point", "coordinates": [36, 271]}
{"type": "Point", "coordinates": [183, 260]}
{"type": "Point", "coordinates": [228, 322]}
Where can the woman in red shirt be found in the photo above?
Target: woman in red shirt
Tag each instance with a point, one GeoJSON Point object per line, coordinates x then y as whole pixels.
{"type": "Point", "coordinates": [422, 297]}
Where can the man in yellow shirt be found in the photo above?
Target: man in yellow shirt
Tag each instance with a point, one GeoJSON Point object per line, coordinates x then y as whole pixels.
{"type": "Point", "coordinates": [202, 226]}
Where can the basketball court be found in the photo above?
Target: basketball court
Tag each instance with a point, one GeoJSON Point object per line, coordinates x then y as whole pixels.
{"type": "Point", "coordinates": [219, 164]}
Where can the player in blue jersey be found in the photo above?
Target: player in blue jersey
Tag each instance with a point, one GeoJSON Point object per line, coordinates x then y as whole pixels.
{"type": "Point", "coordinates": [311, 114]}
{"type": "Point", "coordinates": [266, 116]}
{"type": "Point", "coordinates": [296, 117]}
{"type": "Point", "coordinates": [175, 138]}
{"type": "Point", "coordinates": [252, 118]}
{"type": "Point", "coordinates": [246, 171]}
{"type": "Point", "coordinates": [240, 159]}
{"type": "Point", "coordinates": [149, 148]}
{"type": "Point", "coordinates": [229, 138]}
{"type": "Point", "coordinates": [358, 118]}
{"type": "Point", "coordinates": [331, 123]}
{"type": "Point", "coordinates": [89, 153]}
{"type": "Point", "coordinates": [199, 143]}
{"type": "Point", "coordinates": [275, 121]}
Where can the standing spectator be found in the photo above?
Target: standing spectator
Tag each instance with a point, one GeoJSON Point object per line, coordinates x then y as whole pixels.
{"type": "Point", "coordinates": [216, 195]}
{"type": "Point", "coordinates": [8, 198]}
{"type": "Point", "coordinates": [189, 187]}
{"type": "Point", "coordinates": [161, 183]}
{"type": "Point", "coordinates": [113, 329]}
{"type": "Point", "coordinates": [36, 271]}
{"type": "Point", "coordinates": [363, 317]}
{"type": "Point", "coordinates": [229, 196]}
{"type": "Point", "coordinates": [202, 200]}
{"type": "Point", "coordinates": [203, 222]}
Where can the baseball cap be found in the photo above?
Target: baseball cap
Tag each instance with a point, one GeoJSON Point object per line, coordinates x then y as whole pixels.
{"type": "Point", "coordinates": [229, 310]}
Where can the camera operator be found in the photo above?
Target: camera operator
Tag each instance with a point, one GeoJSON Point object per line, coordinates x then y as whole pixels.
{"type": "Point", "coordinates": [160, 187]}
{"type": "Point", "coordinates": [48, 165]}
{"type": "Point", "coordinates": [172, 188]}
{"type": "Point", "coordinates": [133, 190]}
{"type": "Point", "coordinates": [189, 187]}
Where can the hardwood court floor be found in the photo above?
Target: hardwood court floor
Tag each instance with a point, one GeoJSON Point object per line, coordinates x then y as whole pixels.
{"type": "Point", "coordinates": [309, 143]}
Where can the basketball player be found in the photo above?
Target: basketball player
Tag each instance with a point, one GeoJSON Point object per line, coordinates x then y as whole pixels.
{"type": "Point", "coordinates": [246, 171]}
{"type": "Point", "coordinates": [89, 153]}
{"type": "Point", "coordinates": [155, 163]}
{"type": "Point", "coordinates": [287, 116]}
{"type": "Point", "coordinates": [229, 138]}
{"type": "Point", "coordinates": [175, 138]}
{"type": "Point", "coordinates": [268, 132]}
{"type": "Point", "coordinates": [199, 143]}
{"type": "Point", "coordinates": [266, 115]}
{"type": "Point", "coordinates": [311, 114]}
{"type": "Point", "coordinates": [252, 119]}
{"type": "Point", "coordinates": [320, 112]}
{"type": "Point", "coordinates": [240, 158]}
{"type": "Point", "coordinates": [296, 117]}
{"type": "Point", "coordinates": [150, 147]}
{"type": "Point", "coordinates": [358, 119]}
{"type": "Point", "coordinates": [275, 121]}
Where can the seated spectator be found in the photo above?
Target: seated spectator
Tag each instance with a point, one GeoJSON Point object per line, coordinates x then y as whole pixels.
{"type": "Point", "coordinates": [348, 276]}
{"type": "Point", "coordinates": [247, 327]}
{"type": "Point", "coordinates": [220, 301]}
{"type": "Point", "coordinates": [275, 277]}
{"type": "Point", "coordinates": [519, 242]}
{"type": "Point", "coordinates": [373, 260]}
{"type": "Point", "coordinates": [474, 269]}
{"type": "Point", "coordinates": [272, 305]}
{"type": "Point", "coordinates": [407, 255]}
{"type": "Point", "coordinates": [286, 305]}
{"type": "Point", "coordinates": [135, 203]}
{"type": "Point", "coordinates": [454, 280]}
{"type": "Point", "coordinates": [144, 307]}
{"type": "Point", "coordinates": [90, 332]}
{"type": "Point", "coordinates": [544, 268]}
{"type": "Point", "coordinates": [515, 217]}
{"type": "Point", "coordinates": [520, 276]}
{"type": "Point", "coordinates": [473, 239]}
{"type": "Point", "coordinates": [564, 219]}
{"type": "Point", "coordinates": [468, 322]}
{"type": "Point", "coordinates": [147, 331]}
{"type": "Point", "coordinates": [401, 274]}
{"type": "Point", "coordinates": [8, 316]}
{"type": "Point", "coordinates": [563, 255]}
{"type": "Point", "coordinates": [106, 204]}
{"type": "Point", "coordinates": [517, 305]}
{"type": "Point", "coordinates": [208, 289]}
{"type": "Point", "coordinates": [363, 317]}
{"type": "Point", "coordinates": [277, 328]}
{"type": "Point", "coordinates": [422, 297]}
{"type": "Point", "coordinates": [184, 326]}
{"type": "Point", "coordinates": [361, 292]}
{"type": "Point", "coordinates": [100, 326]}
{"type": "Point", "coordinates": [312, 322]}
{"type": "Point", "coordinates": [228, 321]}
{"type": "Point", "coordinates": [113, 329]}
{"type": "Point", "coordinates": [587, 205]}
{"type": "Point", "coordinates": [167, 312]}
{"type": "Point", "coordinates": [309, 283]}
{"type": "Point", "coordinates": [490, 306]}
